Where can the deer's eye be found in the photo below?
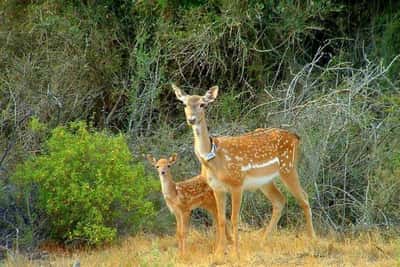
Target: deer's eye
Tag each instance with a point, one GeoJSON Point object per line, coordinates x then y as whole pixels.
{"type": "Point", "coordinates": [202, 105]}
{"type": "Point", "coordinates": [157, 166]}
{"type": "Point", "coordinates": [169, 165]}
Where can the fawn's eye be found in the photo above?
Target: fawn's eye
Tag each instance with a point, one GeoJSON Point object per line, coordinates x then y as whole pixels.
{"type": "Point", "coordinates": [157, 166]}
{"type": "Point", "coordinates": [169, 165]}
{"type": "Point", "coordinates": [202, 105]}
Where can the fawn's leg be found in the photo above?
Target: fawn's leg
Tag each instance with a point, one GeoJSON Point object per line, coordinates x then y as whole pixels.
{"type": "Point", "coordinates": [214, 214]}
{"type": "Point", "coordinates": [185, 218]}
{"type": "Point", "coordinates": [178, 230]}
{"type": "Point", "coordinates": [220, 201]}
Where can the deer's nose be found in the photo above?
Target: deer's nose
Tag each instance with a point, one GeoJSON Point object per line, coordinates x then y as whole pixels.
{"type": "Point", "coordinates": [192, 120]}
{"type": "Point", "coordinates": [162, 172]}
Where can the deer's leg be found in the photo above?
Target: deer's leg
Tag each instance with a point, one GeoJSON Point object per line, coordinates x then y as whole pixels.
{"type": "Point", "coordinates": [178, 230]}
{"type": "Point", "coordinates": [278, 202]}
{"type": "Point", "coordinates": [220, 201]}
{"type": "Point", "coordinates": [236, 194]}
{"type": "Point", "coordinates": [214, 214]}
{"type": "Point", "coordinates": [291, 180]}
{"type": "Point", "coordinates": [184, 229]}
{"type": "Point", "coordinates": [228, 233]}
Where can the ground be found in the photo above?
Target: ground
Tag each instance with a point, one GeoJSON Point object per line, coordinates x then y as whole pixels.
{"type": "Point", "coordinates": [285, 248]}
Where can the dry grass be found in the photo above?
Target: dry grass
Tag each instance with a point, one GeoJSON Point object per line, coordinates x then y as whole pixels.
{"type": "Point", "coordinates": [285, 248]}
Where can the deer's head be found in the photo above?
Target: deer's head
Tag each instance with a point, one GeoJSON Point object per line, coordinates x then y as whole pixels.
{"type": "Point", "coordinates": [162, 165]}
{"type": "Point", "coordinates": [195, 105]}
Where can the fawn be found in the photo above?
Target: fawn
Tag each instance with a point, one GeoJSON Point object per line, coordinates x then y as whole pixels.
{"type": "Point", "coordinates": [182, 197]}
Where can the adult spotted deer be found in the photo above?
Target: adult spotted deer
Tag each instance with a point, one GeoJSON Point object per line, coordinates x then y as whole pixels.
{"type": "Point", "coordinates": [246, 162]}
{"type": "Point", "coordinates": [182, 197]}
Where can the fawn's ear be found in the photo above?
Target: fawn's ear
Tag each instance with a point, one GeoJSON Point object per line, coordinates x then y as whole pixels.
{"type": "Point", "coordinates": [172, 160]}
{"type": "Point", "coordinates": [151, 159]}
{"type": "Point", "coordinates": [210, 95]}
{"type": "Point", "coordinates": [180, 94]}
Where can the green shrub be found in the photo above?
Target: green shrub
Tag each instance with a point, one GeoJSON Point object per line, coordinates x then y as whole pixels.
{"type": "Point", "coordinates": [86, 185]}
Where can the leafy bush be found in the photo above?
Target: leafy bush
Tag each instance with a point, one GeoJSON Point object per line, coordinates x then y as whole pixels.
{"type": "Point", "coordinates": [86, 185]}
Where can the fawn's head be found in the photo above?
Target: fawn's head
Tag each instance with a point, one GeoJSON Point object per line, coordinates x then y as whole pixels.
{"type": "Point", "coordinates": [162, 165]}
{"type": "Point", "coordinates": [194, 104]}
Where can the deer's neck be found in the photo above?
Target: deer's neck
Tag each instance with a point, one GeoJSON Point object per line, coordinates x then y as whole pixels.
{"type": "Point", "coordinates": [167, 185]}
{"type": "Point", "coordinates": [202, 144]}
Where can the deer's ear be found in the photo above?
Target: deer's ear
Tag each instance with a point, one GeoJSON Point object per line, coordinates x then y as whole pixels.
{"type": "Point", "coordinates": [210, 95]}
{"type": "Point", "coordinates": [151, 159]}
{"type": "Point", "coordinates": [172, 160]}
{"type": "Point", "coordinates": [181, 95]}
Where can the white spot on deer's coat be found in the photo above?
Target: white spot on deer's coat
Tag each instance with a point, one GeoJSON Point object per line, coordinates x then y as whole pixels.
{"type": "Point", "coordinates": [293, 154]}
{"type": "Point", "coordinates": [238, 158]}
{"type": "Point", "coordinates": [256, 166]}
{"type": "Point", "coordinates": [227, 158]}
{"type": "Point", "coordinates": [254, 182]}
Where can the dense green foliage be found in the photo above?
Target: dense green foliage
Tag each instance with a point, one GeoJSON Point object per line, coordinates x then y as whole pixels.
{"type": "Point", "coordinates": [86, 185]}
{"type": "Point", "coordinates": [327, 69]}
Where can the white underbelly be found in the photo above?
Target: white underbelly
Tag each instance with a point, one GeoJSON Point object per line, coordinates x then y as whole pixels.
{"type": "Point", "coordinates": [249, 183]}
{"type": "Point", "coordinates": [252, 182]}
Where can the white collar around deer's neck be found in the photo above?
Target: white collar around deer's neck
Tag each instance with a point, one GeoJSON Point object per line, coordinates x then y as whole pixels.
{"type": "Point", "coordinates": [212, 154]}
